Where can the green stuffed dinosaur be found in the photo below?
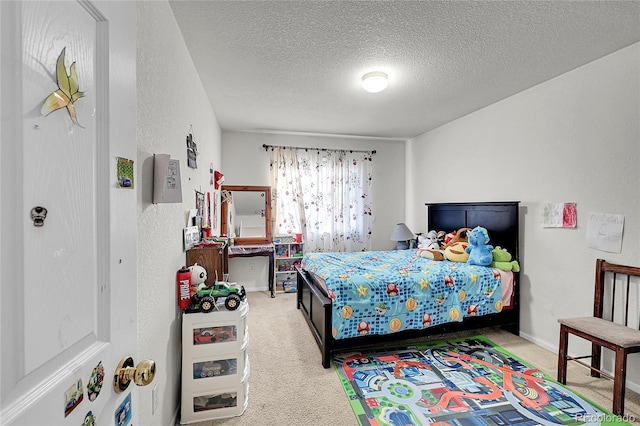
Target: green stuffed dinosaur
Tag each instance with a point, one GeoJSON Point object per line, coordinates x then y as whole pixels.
{"type": "Point", "coordinates": [502, 260]}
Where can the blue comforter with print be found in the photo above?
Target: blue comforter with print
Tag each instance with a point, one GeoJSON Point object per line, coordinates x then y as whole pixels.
{"type": "Point", "coordinates": [383, 292]}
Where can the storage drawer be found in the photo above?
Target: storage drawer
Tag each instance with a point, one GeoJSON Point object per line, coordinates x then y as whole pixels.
{"type": "Point", "coordinates": [210, 370]}
{"type": "Point", "coordinates": [224, 401]}
{"type": "Point", "coordinates": [218, 330]}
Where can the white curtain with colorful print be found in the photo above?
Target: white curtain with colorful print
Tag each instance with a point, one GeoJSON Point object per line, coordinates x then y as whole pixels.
{"type": "Point", "coordinates": [323, 194]}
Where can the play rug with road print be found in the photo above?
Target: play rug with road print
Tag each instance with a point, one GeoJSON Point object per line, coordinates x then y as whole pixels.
{"type": "Point", "coordinates": [467, 381]}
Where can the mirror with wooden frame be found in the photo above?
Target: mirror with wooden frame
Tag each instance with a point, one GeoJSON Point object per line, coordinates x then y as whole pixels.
{"type": "Point", "coordinates": [245, 213]}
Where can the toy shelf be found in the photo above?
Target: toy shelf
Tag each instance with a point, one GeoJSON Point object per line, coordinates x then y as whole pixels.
{"type": "Point", "coordinates": [288, 254]}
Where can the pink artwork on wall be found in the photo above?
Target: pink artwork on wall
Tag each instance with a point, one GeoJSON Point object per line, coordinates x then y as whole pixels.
{"type": "Point", "coordinates": [569, 215]}
{"type": "Point", "coordinates": [559, 215]}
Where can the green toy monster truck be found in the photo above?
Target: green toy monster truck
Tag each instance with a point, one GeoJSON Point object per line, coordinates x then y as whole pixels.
{"type": "Point", "coordinates": [206, 297]}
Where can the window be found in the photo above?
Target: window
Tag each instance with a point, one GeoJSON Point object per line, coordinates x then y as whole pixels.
{"type": "Point", "coordinates": [324, 194]}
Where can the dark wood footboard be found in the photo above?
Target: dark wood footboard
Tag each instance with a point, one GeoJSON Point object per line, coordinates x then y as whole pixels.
{"type": "Point", "coordinates": [316, 308]}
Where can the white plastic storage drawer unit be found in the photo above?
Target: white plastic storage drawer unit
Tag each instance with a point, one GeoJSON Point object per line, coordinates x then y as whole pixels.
{"type": "Point", "coordinates": [215, 365]}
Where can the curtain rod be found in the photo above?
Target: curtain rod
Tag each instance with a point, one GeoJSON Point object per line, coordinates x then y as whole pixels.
{"type": "Point", "coordinates": [266, 148]}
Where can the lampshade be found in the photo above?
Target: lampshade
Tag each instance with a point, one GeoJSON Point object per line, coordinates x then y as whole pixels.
{"type": "Point", "coordinates": [401, 233]}
{"type": "Point", "coordinates": [375, 82]}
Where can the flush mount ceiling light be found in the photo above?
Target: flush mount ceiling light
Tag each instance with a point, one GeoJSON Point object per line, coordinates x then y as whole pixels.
{"type": "Point", "coordinates": [375, 82]}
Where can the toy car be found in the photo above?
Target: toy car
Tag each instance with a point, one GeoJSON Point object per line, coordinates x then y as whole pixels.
{"type": "Point", "coordinates": [218, 334]}
{"type": "Point", "coordinates": [206, 297]}
{"type": "Point", "coordinates": [213, 335]}
{"type": "Point", "coordinates": [211, 369]}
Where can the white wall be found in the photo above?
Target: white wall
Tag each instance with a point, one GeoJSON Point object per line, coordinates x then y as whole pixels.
{"type": "Point", "coordinates": [171, 99]}
{"type": "Point", "coordinates": [571, 139]}
{"type": "Point", "coordinates": [245, 162]}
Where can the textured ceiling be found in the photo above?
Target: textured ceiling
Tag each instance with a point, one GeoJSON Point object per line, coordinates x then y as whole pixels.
{"type": "Point", "coordinates": [296, 66]}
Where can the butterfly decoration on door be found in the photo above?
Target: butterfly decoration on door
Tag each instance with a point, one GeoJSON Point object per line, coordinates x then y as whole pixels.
{"type": "Point", "coordinates": [67, 92]}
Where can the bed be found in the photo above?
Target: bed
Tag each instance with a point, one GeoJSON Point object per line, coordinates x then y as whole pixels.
{"type": "Point", "coordinates": [400, 310]}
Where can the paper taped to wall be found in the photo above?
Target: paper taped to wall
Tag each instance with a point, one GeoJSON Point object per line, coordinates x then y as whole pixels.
{"type": "Point", "coordinates": [559, 215]}
{"type": "Point", "coordinates": [604, 232]}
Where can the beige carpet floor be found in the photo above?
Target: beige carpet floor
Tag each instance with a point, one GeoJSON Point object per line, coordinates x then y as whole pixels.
{"type": "Point", "coordinates": [288, 386]}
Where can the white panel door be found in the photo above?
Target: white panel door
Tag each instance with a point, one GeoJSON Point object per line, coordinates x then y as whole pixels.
{"type": "Point", "coordinates": [68, 230]}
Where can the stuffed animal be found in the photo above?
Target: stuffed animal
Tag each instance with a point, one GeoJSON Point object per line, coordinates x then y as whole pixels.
{"type": "Point", "coordinates": [502, 260]}
{"type": "Point", "coordinates": [448, 237]}
{"type": "Point", "coordinates": [453, 250]}
{"type": "Point", "coordinates": [461, 235]}
{"type": "Point", "coordinates": [431, 254]}
{"type": "Point", "coordinates": [478, 249]}
{"type": "Point", "coordinates": [455, 236]}
{"type": "Point", "coordinates": [198, 277]}
{"type": "Point", "coordinates": [429, 246]}
{"type": "Point", "coordinates": [429, 241]}
{"type": "Point", "coordinates": [457, 251]}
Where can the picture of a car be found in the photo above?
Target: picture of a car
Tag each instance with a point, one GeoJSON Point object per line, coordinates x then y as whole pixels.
{"type": "Point", "coordinates": [125, 182]}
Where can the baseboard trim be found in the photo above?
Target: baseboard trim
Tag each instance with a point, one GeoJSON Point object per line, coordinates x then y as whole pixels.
{"type": "Point", "coordinates": [539, 342]}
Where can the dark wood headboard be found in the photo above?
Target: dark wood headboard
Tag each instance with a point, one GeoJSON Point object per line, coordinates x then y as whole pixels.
{"type": "Point", "coordinates": [500, 219]}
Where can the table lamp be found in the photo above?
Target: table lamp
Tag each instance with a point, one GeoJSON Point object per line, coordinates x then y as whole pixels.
{"type": "Point", "coordinates": [402, 235]}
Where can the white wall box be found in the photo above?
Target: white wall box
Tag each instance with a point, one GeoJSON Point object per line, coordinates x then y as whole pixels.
{"type": "Point", "coordinates": [215, 364]}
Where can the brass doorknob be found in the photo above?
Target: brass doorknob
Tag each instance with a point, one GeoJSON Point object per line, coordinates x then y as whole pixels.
{"type": "Point", "coordinates": [142, 374]}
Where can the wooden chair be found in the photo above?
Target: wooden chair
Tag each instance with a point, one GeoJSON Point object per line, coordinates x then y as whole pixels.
{"type": "Point", "coordinates": [601, 332]}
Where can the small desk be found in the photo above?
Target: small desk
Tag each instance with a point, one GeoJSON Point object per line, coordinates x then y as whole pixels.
{"type": "Point", "coordinates": [251, 250]}
{"type": "Point", "coordinates": [212, 257]}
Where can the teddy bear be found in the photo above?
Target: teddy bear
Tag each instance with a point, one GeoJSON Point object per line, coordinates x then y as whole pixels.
{"type": "Point", "coordinates": [478, 249]}
{"type": "Point", "coordinates": [502, 260]}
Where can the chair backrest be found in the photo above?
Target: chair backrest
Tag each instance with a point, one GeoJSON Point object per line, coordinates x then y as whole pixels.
{"type": "Point", "coordinates": [615, 284]}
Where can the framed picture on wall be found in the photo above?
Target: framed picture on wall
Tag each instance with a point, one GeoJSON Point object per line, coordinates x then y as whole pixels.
{"type": "Point", "coordinates": [191, 237]}
{"type": "Point", "coordinates": [208, 221]}
{"type": "Point", "coordinates": [214, 215]}
{"type": "Point", "coordinates": [200, 203]}
{"type": "Point", "coordinates": [192, 152]}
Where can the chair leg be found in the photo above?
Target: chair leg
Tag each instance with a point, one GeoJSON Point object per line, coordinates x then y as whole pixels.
{"type": "Point", "coordinates": [619, 379]}
{"type": "Point", "coordinates": [596, 355]}
{"type": "Point", "coordinates": [562, 355]}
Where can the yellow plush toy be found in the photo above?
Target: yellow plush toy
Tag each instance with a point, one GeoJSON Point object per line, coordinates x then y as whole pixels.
{"type": "Point", "coordinates": [457, 252]}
